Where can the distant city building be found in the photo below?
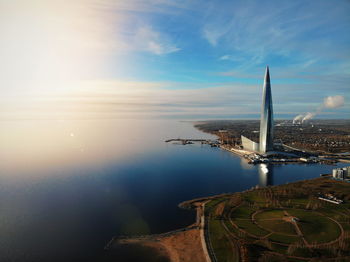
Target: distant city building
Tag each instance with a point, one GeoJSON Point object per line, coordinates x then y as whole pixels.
{"type": "Point", "coordinates": [266, 122]}
{"type": "Point", "coordinates": [341, 173]}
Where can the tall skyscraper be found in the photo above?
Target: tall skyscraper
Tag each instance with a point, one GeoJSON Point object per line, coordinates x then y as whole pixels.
{"type": "Point", "coordinates": [266, 121]}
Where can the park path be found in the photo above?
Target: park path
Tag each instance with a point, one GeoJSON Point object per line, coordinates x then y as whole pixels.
{"type": "Point", "coordinates": [234, 245]}
{"type": "Point", "coordinates": [236, 242]}
{"type": "Point", "coordinates": [297, 229]}
{"type": "Point", "coordinates": [342, 232]}
{"type": "Point", "coordinates": [201, 222]}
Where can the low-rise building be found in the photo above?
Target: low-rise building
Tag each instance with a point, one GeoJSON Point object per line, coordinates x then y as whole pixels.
{"type": "Point", "coordinates": [330, 198]}
{"type": "Point", "coordinates": [341, 173]}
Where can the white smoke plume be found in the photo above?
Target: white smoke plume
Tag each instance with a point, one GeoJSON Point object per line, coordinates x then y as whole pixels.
{"type": "Point", "coordinates": [333, 101]}
{"type": "Point", "coordinates": [298, 118]}
{"type": "Point", "coordinates": [329, 102]}
{"type": "Point", "coordinates": [308, 116]}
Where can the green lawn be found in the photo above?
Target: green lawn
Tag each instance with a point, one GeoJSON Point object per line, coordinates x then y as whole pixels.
{"type": "Point", "coordinates": [299, 202]}
{"type": "Point", "coordinates": [278, 226]}
{"type": "Point", "coordinates": [255, 197]}
{"type": "Point", "coordinates": [243, 212]}
{"type": "Point", "coordinates": [220, 242]}
{"type": "Point", "coordinates": [314, 224]}
{"type": "Point", "coordinates": [315, 227]}
{"type": "Point", "coordinates": [230, 227]}
{"type": "Point", "coordinates": [302, 252]}
{"type": "Point", "coordinates": [279, 248]}
{"type": "Point", "coordinates": [346, 226]}
{"type": "Point", "coordinates": [283, 238]}
{"type": "Point", "coordinates": [251, 228]}
{"type": "Point", "coordinates": [268, 214]}
{"type": "Point", "coordinates": [212, 203]}
{"type": "Point", "coordinates": [336, 212]}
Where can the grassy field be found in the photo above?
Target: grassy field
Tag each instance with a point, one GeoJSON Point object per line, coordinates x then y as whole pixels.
{"type": "Point", "coordinates": [315, 227]}
{"type": "Point", "coordinates": [251, 228]}
{"type": "Point", "coordinates": [284, 239]}
{"type": "Point", "coordinates": [265, 223]}
{"type": "Point", "coordinates": [243, 212]}
{"type": "Point", "coordinates": [220, 242]}
{"type": "Point", "coordinates": [269, 214]}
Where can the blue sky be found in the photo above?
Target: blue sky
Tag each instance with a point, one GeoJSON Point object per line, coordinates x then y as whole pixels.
{"type": "Point", "coordinates": [178, 59]}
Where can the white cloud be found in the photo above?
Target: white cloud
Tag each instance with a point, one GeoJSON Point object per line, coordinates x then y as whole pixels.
{"type": "Point", "coordinates": [234, 58]}
{"type": "Point", "coordinates": [225, 57]}
{"type": "Point", "coordinates": [296, 30]}
{"type": "Point", "coordinates": [116, 98]}
{"type": "Point", "coordinates": [48, 45]}
{"type": "Point", "coordinates": [122, 99]}
{"type": "Point", "coordinates": [147, 39]}
{"type": "Point", "coordinates": [333, 101]}
{"type": "Point", "coordinates": [212, 36]}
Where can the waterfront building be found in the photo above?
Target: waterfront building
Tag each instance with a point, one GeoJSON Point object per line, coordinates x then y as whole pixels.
{"type": "Point", "coordinates": [249, 144]}
{"type": "Point", "coordinates": [266, 120]}
{"type": "Point", "coordinates": [341, 173]}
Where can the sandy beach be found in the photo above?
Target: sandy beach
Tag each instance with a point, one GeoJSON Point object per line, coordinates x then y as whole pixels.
{"type": "Point", "coordinates": [183, 245]}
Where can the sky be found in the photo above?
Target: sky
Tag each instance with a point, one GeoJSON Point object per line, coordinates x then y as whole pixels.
{"type": "Point", "coordinates": [186, 59]}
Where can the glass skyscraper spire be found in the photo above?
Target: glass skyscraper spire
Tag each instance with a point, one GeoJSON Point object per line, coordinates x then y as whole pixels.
{"type": "Point", "coordinates": [266, 121]}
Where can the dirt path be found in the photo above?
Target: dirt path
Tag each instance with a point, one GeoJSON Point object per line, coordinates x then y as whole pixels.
{"type": "Point", "coordinates": [201, 222]}
{"type": "Point", "coordinates": [236, 246]}
{"type": "Point", "coordinates": [297, 229]}
{"type": "Point", "coordinates": [342, 233]}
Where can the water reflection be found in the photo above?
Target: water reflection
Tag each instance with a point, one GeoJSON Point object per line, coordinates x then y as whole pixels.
{"type": "Point", "coordinates": [245, 165]}
{"type": "Point", "coordinates": [265, 175]}
{"type": "Point", "coordinates": [41, 148]}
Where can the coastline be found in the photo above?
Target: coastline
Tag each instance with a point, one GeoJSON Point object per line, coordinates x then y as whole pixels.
{"type": "Point", "coordinates": [185, 244]}
{"type": "Point", "coordinates": [325, 159]}
{"type": "Point", "coordinates": [189, 244]}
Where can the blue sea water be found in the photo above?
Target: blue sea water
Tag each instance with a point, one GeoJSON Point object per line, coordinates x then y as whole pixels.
{"type": "Point", "coordinates": [90, 181]}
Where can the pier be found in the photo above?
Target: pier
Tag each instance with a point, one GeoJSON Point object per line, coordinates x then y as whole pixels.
{"type": "Point", "coordinates": [186, 141]}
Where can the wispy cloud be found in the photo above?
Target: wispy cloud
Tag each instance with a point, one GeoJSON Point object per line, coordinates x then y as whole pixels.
{"type": "Point", "coordinates": [148, 40]}
{"type": "Point", "coordinates": [214, 34]}
{"type": "Point", "coordinates": [118, 99]}
{"type": "Point", "coordinates": [48, 45]}
{"type": "Point", "coordinates": [168, 57]}
{"type": "Point", "coordinates": [294, 29]}
{"type": "Point", "coordinates": [235, 58]}
{"type": "Point", "coordinates": [129, 25]}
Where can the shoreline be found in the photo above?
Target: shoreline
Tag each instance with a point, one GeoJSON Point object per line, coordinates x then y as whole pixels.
{"type": "Point", "coordinates": [185, 244]}
{"type": "Point", "coordinates": [243, 153]}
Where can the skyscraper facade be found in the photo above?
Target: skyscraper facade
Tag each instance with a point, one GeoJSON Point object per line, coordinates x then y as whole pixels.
{"type": "Point", "coordinates": [266, 121]}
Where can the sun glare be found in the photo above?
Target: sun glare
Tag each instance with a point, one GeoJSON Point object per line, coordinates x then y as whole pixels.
{"type": "Point", "coordinates": [48, 45]}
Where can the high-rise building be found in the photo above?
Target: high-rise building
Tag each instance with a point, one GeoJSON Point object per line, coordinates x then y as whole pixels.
{"type": "Point", "coordinates": [266, 120]}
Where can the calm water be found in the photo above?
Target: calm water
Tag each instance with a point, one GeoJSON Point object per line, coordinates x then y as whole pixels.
{"type": "Point", "coordinates": [67, 187]}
